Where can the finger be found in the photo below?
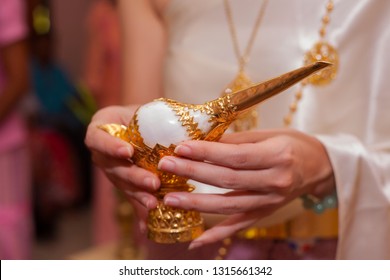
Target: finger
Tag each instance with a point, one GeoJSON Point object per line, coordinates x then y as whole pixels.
{"type": "Point", "coordinates": [252, 136]}
{"type": "Point", "coordinates": [127, 173]}
{"type": "Point", "coordinates": [265, 180]}
{"type": "Point", "coordinates": [114, 114]}
{"type": "Point", "coordinates": [141, 214]}
{"type": "Point", "coordinates": [144, 199]}
{"type": "Point", "coordinates": [100, 141]}
{"type": "Point", "coordinates": [140, 210]}
{"type": "Point", "coordinates": [238, 156]}
{"type": "Point", "coordinates": [225, 229]}
{"type": "Point", "coordinates": [133, 193]}
{"type": "Point", "coordinates": [229, 203]}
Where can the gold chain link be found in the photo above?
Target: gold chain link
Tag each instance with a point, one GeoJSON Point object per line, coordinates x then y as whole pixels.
{"type": "Point", "coordinates": [243, 58]}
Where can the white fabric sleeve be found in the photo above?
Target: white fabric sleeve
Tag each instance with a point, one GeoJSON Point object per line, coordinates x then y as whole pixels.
{"type": "Point", "coordinates": [363, 188]}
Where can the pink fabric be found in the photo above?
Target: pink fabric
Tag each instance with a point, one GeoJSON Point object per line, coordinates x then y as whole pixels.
{"type": "Point", "coordinates": [104, 207]}
{"type": "Point", "coordinates": [16, 241]}
{"type": "Point", "coordinates": [102, 76]}
{"type": "Point", "coordinates": [15, 205]}
{"type": "Point", "coordinates": [12, 29]}
{"type": "Point", "coordinates": [103, 65]}
{"type": "Point", "coordinates": [12, 21]}
{"type": "Point", "coordinates": [15, 209]}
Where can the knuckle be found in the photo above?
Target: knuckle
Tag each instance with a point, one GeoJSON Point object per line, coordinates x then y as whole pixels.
{"type": "Point", "coordinates": [110, 172]}
{"type": "Point", "coordinates": [230, 180]}
{"type": "Point", "coordinates": [192, 204]}
{"type": "Point", "coordinates": [284, 182]}
{"type": "Point", "coordinates": [134, 177]}
{"type": "Point", "coordinates": [129, 177]}
{"type": "Point", "coordinates": [189, 170]}
{"type": "Point", "coordinates": [200, 150]}
{"type": "Point", "coordinates": [287, 155]}
{"type": "Point", "coordinates": [229, 207]}
{"type": "Point", "coordinates": [238, 159]}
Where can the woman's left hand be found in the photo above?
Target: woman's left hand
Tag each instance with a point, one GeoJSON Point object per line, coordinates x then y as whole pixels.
{"type": "Point", "coordinates": [262, 171]}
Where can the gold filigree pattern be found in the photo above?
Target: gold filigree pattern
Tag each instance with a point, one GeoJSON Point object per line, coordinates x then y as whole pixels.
{"type": "Point", "coordinates": [322, 51]}
{"type": "Point", "coordinates": [171, 225]}
{"type": "Point", "coordinates": [221, 114]}
{"type": "Point", "coordinates": [185, 118]}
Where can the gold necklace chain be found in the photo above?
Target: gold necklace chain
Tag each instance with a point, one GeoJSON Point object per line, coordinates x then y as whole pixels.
{"type": "Point", "coordinates": [243, 58]}
{"type": "Point", "coordinates": [249, 119]}
{"type": "Point", "coordinates": [326, 19]}
{"type": "Point", "coordinates": [322, 50]}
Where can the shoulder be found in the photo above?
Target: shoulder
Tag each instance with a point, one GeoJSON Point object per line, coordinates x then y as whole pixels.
{"type": "Point", "coordinates": [160, 6]}
{"type": "Point", "coordinates": [13, 26]}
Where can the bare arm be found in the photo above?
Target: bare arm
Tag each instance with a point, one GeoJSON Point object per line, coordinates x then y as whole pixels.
{"type": "Point", "coordinates": [15, 62]}
{"type": "Point", "coordinates": [144, 45]}
{"type": "Point", "coordinates": [94, 61]}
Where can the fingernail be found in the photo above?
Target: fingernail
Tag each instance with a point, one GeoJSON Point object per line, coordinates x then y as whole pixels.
{"type": "Point", "coordinates": [125, 152]}
{"type": "Point", "coordinates": [172, 201]}
{"type": "Point", "coordinates": [183, 150]}
{"type": "Point", "coordinates": [129, 193]}
{"type": "Point", "coordinates": [194, 245]}
{"type": "Point", "coordinates": [151, 183]}
{"type": "Point", "coordinates": [145, 202]}
{"type": "Point", "coordinates": [166, 165]}
{"type": "Point", "coordinates": [142, 226]}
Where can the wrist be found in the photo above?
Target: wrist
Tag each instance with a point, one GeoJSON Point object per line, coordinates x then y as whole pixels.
{"type": "Point", "coordinates": [319, 205]}
{"type": "Point", "coordinates": [321, 195]}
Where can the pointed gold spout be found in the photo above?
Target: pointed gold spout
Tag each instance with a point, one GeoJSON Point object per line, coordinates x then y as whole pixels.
{"type": "Point", "coordinates": [251, 96]}
{"type": "Point", "coordinates": [224, 110]}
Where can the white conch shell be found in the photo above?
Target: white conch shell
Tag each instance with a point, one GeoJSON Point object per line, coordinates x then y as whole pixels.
{"type": "Point", "coordinates": [171, 130]}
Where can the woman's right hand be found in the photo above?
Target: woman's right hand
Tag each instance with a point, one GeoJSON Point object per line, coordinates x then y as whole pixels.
{"type": "Point", "coordinates": [113, 156]}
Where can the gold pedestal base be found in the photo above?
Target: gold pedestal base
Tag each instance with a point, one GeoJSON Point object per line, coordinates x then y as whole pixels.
{"type": "Point", "coordinates": [171, 225]}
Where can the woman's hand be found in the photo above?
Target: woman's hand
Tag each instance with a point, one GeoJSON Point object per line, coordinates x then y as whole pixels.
{"type": "Point", "coordinates": [113, 156]}
{"type": "Point", "coordinates": [263, 171]}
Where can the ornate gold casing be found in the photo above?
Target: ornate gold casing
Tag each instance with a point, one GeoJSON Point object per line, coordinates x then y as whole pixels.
{"type": "Point", "coordinates": [171, 225]}
{"type": "Point", "coordinates": [165, 224]}
{"type": "Point", "coordinates": [326, 52]}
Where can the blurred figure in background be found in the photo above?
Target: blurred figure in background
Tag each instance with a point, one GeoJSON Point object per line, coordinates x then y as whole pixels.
{"type": "Point", "coordinates": [102, 77]}
{"type": "Point", "coordinates": [62, 180]}
{"type": "Point", "coordinates": [15, 183]}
